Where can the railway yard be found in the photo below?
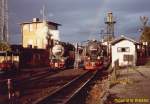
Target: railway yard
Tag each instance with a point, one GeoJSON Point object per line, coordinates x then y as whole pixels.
{"type": "Point", "coordinates": [98, 66]}
{"type": "Point", "coordinates": [47, 86]}
{"type": "Point", "coordinates": [76, 86]}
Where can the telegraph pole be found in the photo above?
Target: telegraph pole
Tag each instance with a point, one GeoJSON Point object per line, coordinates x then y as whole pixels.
{"type": "Point", "coordinates": [4, 36]}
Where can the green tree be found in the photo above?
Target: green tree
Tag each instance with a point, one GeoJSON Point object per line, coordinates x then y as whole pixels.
{"type": "Point", "coordinates": [4, 46]}
{"type": "Point", "coordinates": [145, 36]}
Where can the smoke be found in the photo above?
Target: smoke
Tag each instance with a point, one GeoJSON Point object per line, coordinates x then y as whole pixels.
{"type": "Point", "coordinates": [44, 31]}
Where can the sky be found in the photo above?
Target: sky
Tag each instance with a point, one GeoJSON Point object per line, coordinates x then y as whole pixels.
{"type": "Point", "coordinates": [81, 20]}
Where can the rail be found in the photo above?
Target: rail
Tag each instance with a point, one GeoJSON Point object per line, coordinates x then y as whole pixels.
{"type": "Point", "coordinates": [68, 91]}
{"type": "Point", "coordinates": [12, 86]}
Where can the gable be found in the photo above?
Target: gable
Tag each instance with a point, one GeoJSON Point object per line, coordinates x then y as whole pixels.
{"type": "Point", "coordinates": [122, 39]}
{"type": "Point", "coordinates": [125, 43]}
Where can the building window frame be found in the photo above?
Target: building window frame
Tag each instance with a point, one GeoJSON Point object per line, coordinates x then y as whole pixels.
{"type": "Point", "coordinates": [30, 27]}
{"type": "Point", "coordinates": [123, 49]}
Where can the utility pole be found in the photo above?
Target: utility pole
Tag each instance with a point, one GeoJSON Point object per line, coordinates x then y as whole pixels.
{"type": "Point", "coordinates": [4, 36]}
{"type": "Point", "coordinates": [76, 63]}
{"type": "Point", "coordinates": [43, 13]}
{"type": "Point", "coordinates": [101, 35]}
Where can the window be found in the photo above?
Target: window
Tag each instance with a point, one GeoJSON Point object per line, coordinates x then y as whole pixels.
{"type": "Point", "coordinates": [128, 58]}
{"type": "Point", "coordinates": [35, 26]}
{"type": "Point", "coordinates": [123, 49]}
{"type": "Point", "coordinates": [30, 27]}
{"type": "Point", "coordinates": [26, 27]}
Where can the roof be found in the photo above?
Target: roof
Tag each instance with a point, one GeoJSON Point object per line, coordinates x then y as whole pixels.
{"type": "Point", "coordinates": [123, 38]}
{"type": "Point", "coordinates": [49, 22]}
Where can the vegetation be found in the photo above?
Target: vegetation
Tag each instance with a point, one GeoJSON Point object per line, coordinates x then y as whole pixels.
{"type": "Point", "coordinates": [145, 36]}
{"type": "Point", "coordinates": [4, 46]}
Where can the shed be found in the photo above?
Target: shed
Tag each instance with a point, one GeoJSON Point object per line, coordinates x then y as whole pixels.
{"type": "Point", "coordinates": [124, 50]}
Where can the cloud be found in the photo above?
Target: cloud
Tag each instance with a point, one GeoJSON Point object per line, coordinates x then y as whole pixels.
{"type": "Point", "coordinates": [80, 18]}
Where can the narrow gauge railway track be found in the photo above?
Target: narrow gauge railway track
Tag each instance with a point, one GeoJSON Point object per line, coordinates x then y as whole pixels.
{"type": "Point", "coordinates": [32, 76]}
{"type": "Point", "coordinates": [27, 77]}
{"type": "Point", "coordinates": [26, 83]}
{"type": "Point", "coordinates": [40, 76]}
{"type": "Point", "coordinates": [23, 84]}
{"type": "Point", "coordinates": [20, 84]}
{"type": "Point", "coordinates": [22, 74]}
{"type": "Point", "coordinates": [32, 94]}
{"type": "Point", "coordinates": [64, 94]}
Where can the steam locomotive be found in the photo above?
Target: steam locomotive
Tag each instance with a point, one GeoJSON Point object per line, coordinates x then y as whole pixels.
{"type": "Point", "coordinates": [62, 56]}
{"type": "Point", "coordinates": [93, 55]}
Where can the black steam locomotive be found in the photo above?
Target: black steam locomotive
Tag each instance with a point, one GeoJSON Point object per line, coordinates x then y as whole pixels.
{"type": "Point", "coordinates": [93, 55]}
{"type": "Point", "coordinates": [62, 55]}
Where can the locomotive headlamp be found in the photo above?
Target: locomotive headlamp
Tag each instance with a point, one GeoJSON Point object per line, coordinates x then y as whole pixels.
{"type": "Point", "coordinates": [62, 60]}
{"type": "Point", "coordinates": [98, 57]}
{"type": "Point", "coordinates": [88, 58]}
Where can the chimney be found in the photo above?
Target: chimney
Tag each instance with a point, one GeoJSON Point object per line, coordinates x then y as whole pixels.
{"type": "Point", "coordinates": [35, 20]}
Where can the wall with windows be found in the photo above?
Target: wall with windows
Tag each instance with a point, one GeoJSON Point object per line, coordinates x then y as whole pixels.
{"type": "Point", "coordinates": [34, 34]}
{"type": "Point", "coordinates": [125, 51]}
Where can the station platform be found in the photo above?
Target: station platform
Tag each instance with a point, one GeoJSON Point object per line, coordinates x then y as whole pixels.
{"type": "Point", "coordinates": [133, 86]}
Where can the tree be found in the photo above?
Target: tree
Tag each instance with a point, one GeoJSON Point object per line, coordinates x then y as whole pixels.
{"type": "Point", "coordinates": [4, 46]}
{"type": "Point", "coordinates": [145, 36]}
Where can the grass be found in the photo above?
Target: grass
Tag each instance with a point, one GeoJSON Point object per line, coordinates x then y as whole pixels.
{"type": "Point", "coordinates": [148, 62]}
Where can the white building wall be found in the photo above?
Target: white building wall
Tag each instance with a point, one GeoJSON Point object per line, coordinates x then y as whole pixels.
{"type": "Point", "coordinates": [55, 34]}
{"type": "Point", "coordinates": [119, 55]}
{"type": "Point", "coordinates": [41, 34]}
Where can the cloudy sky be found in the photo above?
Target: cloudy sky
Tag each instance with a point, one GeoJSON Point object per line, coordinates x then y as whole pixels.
{"type": "Point", "coordinates": [81, 19]}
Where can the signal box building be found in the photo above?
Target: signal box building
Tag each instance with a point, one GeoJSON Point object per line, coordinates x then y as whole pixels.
{"type": "Point", "coordinates": [124, 50]}
{"type": "Point", "coordinates": [35, 33]}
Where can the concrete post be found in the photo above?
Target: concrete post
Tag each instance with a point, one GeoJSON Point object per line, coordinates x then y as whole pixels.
{"type": "Point", "coordinates": [10, 90]}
